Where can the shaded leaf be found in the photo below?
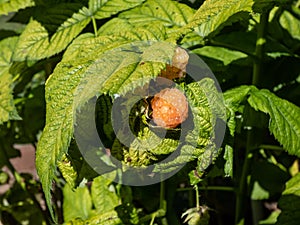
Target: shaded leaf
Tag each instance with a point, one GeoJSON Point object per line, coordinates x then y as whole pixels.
{"type": "Point", "coordinates": [289, 203]}
{"type": "Point", "coordinates": [264, 185]}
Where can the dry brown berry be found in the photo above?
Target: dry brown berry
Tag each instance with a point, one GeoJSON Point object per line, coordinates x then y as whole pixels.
{"type": "Point", "coordinates": [170, 108]}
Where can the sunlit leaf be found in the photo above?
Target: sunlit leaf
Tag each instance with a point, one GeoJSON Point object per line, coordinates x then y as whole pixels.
{"type": "Point", "coordinates": [103, 9]}
{"type": "Point", "coordinates": [284, 123]}
{"type": "Point", "coordinates": [14, 6]}
{"type": "Point", "coordinates": [7, 107]}
{"type": "Point", "coordinates": [120, 71]}
{"type": "Point", "coordinates": [77, 203]}
{"type": "Point", "coordinates": [104, 198]}
{"type": "Point", "coordinates": [228, 156]}
{"type": "Point", "coordinates": [291, 24]}
{"type": "Point", "coordinates": [215, 14]}
{"type": "Point", "coordinates": [170, 14]}
{"type": "Point", "coordinates": [36, 42]}
{"type": "Point", "coordinates": [108, 218]}
{"type": "Point", "coordinates": [225, 55]}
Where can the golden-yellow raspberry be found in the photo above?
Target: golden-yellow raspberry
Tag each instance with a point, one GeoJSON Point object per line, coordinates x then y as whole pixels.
{"type": "Point", "coordinates": [169, 108]}
{"type": "Point", "coordinates": [178, 68]}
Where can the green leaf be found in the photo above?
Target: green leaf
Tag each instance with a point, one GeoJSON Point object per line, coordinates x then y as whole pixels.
{"type": "Point", "coordinates": [202, 115]}
{"type": "Point", "coordinates": [150, 31]}
{"type": "Point", "coordinates": [7, 107]}
{"type": "Point", "coordinates": [74, 82]}
{"type": "Point", "coordinates": [187, 153]}
{"type": "Point", "coordinates": [108, 218]}
{"type": "Point", "coordinates": [103, 195]}
{"type": "Point", "coordinates": [272, 219]}
{"type": "Point", "coordinates": [14, 6]}
{"type": "Point", "coordinates": [291, 24]}
{"type": "Point", "coordinates": [228, 156]}
{"type": "Point", "coordinates": [264, 185]}
{"type": "Point", "coordinates": [58, 131]}
{"type": "Point", "coordinates": [170, 13]}
{"type": "Point", "coordinates": [222, 54]}
{"type": "Point", "coordinates": [284, 118]}
{"type": "Point", "coordinates": [104, 9]}
{"type": "Point", "coordinates": [234, 99]}
{"type": "Point", "coordinates": [35, 42]}
{"type": "Point", "coordinates": [289, 203]}
{"type": "Point", "coordinates": [69, 173]}
{"type": "Point", "coordinates": [215, 14]}
{"type": "Point", "coordinates": [206, 106]}
{"type": "Point", "coordinates": [77, 203]}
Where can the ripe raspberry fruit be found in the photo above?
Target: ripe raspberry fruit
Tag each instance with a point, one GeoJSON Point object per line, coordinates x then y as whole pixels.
{"type": "Point", "coordinates": [170, 108]}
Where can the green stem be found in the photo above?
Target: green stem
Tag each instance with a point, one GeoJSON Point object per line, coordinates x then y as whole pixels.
{"type": "Point", "coordinates": [162, 195]}
{"type": "Point", "coordinates": [152, 219]}
{"type": "Point", "coordinates": [197, 197]}
{"type": "Point", "coordinates": [271, 147]}
{"type": "Point", "coordinates": [95, 26]}
{"type": "Point", "coordinates": [209, 188]}
{"type": "Point", "coordinates": [260, 47]}
{"type": "Point", "coordinates": [257, 71]}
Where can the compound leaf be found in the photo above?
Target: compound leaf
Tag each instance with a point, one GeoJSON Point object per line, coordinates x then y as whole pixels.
{"type": "Point", "coordinates": [73, 83]}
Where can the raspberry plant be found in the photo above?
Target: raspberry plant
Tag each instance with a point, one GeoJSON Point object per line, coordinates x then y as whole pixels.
{"type": "Point", "coordinates": [57, 55]}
